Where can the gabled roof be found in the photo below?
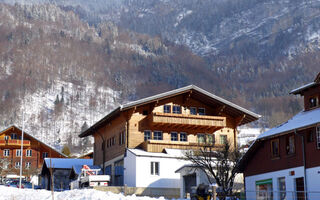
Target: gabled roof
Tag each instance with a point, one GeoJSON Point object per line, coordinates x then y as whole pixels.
{"type": "Point", "coordinates": [202, 94]}
{"type": "Point", "coordinates": [302, 120]}
{"type": "Point", "coordinates": [66, 163]}
{"type": "Point", "coordinates": [301, 89]}
{"type": "Point", "coordinates": [25, 133]}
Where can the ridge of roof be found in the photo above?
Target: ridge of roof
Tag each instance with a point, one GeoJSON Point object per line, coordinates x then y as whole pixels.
{"type": "Point", "coordinates": [24, 132]}
{"type": "Point", "coordinates": [163, 96]}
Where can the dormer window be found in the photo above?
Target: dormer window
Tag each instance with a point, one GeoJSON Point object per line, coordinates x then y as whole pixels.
{"type": "Point", "coordinates": [176, 109]}
{"type": "Point", "coordinates": [313, 102]}
{"type": "Point", "coordinates": [167, 109]}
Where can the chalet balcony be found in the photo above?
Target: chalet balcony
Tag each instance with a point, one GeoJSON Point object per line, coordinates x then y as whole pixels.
{"type": "Point", "coordinates": [188, 121]}
{"type": "Point", "coordinates": [160, 145]}
{"type": "Point", "coordinates": [8, 143]}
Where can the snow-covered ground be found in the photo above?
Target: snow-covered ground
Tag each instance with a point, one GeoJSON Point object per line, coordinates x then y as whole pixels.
{"type": "Point", "coordinates": [9, 193]}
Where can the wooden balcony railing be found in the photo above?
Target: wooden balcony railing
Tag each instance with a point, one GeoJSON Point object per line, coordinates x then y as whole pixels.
{"type": "Point", "coordinates": [160, 145]}
{"type": "Point", "coordinates": [187, 120]}
{"type": "Point", "coordinates": [14, 143]}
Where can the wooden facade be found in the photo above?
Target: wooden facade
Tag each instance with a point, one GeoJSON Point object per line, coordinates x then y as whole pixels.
{"type": "Point", "coordinates": [34, 151]}
{"type": "Point", "coordinates": [186, 118]}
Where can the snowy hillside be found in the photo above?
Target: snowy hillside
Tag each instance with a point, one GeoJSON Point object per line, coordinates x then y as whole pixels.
{"type": "Point", "coordinates": [58, 126]}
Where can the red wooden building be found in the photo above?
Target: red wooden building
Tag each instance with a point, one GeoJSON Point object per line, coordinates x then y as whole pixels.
{"type": "Point", "coordinates": [34, 152]}
{"type": "Point", "coordinates": [284, 162]}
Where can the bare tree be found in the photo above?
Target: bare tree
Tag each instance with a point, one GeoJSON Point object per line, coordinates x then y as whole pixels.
{"type": "Point", "coordinates": [219, 164]}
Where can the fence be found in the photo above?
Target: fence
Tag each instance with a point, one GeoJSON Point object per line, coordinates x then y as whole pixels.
{"type": "Point", "coordinates": [280, 195]}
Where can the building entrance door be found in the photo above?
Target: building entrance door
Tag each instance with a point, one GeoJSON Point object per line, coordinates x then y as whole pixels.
{"type": "Point", "coordinates": [300, 188]}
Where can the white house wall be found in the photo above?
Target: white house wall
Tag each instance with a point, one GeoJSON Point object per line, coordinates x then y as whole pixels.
{"type": "Point", "coordinates": [250, 182]}
{"type": "Point", "coordinates": [130, 169]}
{"type": "Point", "coordinates": [313, 183]}
{"type": "Point", "coordinates": [138, 171]}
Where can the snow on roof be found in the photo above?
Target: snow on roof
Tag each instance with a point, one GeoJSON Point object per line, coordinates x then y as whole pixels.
{"type": "Point", "coordinates": [66, 163]}
{"type": "Point", "coordinates": [169, 153]}
{"type": "Point", "coordinates": [301, 120]}
{"type": "Point", "coordinates": [299, 89]}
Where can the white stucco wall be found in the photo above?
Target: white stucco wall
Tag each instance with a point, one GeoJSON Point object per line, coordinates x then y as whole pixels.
{"type": "Point", "coordinates": [129, 169]}
{"type": "Point", "coordinates": [250, 182]}
{"type": "Point", "coordinates": [137, 171]}
{"type": "Point", "coordinates": [313, 183]}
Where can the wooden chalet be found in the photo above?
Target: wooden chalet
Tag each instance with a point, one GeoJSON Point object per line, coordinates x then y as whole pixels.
{"type": "Point", "coordinates": [34, 152]}
{"type": "Point", "coordinates": [185, 118]}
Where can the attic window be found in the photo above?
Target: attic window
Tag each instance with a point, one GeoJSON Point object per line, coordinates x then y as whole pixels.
{"type": "Point", "coordinates": [167, 109]}
{"type": "Point", "coordinates": [313, 102]}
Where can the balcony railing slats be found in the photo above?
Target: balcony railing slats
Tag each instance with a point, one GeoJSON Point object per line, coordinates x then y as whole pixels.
{"type": "Point", "coordinates": [14, 142]}
{"type": "Point", "coordinates": [188, 120]}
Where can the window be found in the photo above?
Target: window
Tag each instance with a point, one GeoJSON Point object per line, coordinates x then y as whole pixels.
{"type": "Point", "coordinates": [183, 137]}
{"type": "Point", "coordinates": [145, 112]}
{"type": "Point", "coordinates": [18, 152]}
{"type": "Point", "coordinates": [313, 102]}
{"type": "Point", "coordinates": [155, 168]}
{"type": "Point", "coordinates": [264, 189]}
{"type": "Point", "coordinates": [28, 164]}
{"type": "Point", "coordinates": [318, 137]}
{"type": "Point", "coordinates": [113, 140]}
{"type": "Point", "coordinates": [167, 109]}
{"type": "Point", "coordinates": [210, 139]}
{"type": "Point", "coordinates": [310, 136]}
{"type": "Point", "coordinates": [122, 136]}
{"type": "Point", "coordinates": [223, 139]}
{"type": "Point", "coordinates": [290, 145]}
{"type": "Point", "coordinates": [29, 153]}
{"type": "Point", "coordinates": [282, 188]}
{"type": "Point", "coordinates": [6, 152]}
{"type": "Point", "coordinates": [176, 109]}
{"type": "Point", "coordinates": [6, 137]}
{"type": "Point", "coordinates": [44, 154]}
{"type": "Point", "coordinates": [201, 111]}
{"type": "Point", "coordinates": [13, 136]}
{"type": "Point", "coordinates": [17, 165]}
{"type": "Point", "coordinates": [201, 138]}
{"type": "Point", "coordinates": [147, 135]}
{"type": "Point", "coordinates": [157, 135]}
{"type": "Point", "coordinates": [275, 148]}
{"type": "Point", "coordinates": [193, 111]}
{"type": "Point", "coordinates": [174, 136]}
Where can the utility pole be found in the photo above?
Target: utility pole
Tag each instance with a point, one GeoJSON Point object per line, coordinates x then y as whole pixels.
{"type": "Point", "coordinates": [21, 150]}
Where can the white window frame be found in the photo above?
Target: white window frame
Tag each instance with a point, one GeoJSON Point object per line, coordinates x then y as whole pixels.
{"type": "Point", "coordinates": [6, 152]}
{"type": "Point", "coordinates": [154, 170]}
{"type": "Point", "coordinates": [18, 152]}
{"type": "Point", "coordinates": [17, 165]}
{"type": "Point", "coordinates": [28, 165]}
{"type": "Point", "coordinates": [144, 135]}
{"type": "Point", "coordinates": [156, 137]}
{"type": "Point", "coordinates": [223, 141]}
{"type": "Point", "coordinates": [28, 152]}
